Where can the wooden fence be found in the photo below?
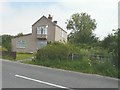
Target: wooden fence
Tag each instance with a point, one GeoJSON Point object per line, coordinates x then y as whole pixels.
{"type": "Point", "coordinates": [90, 56]}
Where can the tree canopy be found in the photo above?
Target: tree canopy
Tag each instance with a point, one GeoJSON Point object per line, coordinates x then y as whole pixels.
{"type": "Point", "coordinates": [82, 27]}
{"type": "Point", "coordinates": [19, 34]}
{"type": "Point", "coordinates": [6, 42]}
{"type": "Point", "coordinates": [111, 43]}
{"type": "Point", "coordinates": [0, 40]}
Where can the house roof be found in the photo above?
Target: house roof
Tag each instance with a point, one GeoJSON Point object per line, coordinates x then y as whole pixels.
{"type": "Point", "coordinates": [50, 22]}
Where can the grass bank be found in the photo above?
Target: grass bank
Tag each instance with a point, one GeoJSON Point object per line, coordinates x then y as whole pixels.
{"type": "Point", "coordinates": [22, 56]}
{"type": "Point", "coordinates": [79, 66]}
{"type": "Point", "coordinates": [76, 58]}
{"type": "Point", "coordinates": [19, 56]}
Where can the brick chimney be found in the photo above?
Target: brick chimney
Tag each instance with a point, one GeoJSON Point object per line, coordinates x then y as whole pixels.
{"type": "Point", "coordinates": [50, 17]}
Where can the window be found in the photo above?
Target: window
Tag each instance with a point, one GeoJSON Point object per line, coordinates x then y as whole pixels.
{"type": "Point", "coordinates": [41, 43]}
{"type": "Point", "coordinates": [21, 44]}
{"type": "Point", "coordinates": [42, 30]}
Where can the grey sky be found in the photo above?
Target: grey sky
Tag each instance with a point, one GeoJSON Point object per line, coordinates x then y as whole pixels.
{"type": "Point", "coordinates": [16, 17]}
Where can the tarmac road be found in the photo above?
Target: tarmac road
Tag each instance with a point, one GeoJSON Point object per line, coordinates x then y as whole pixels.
{"type": "Point", "coordinates": [18, 75]}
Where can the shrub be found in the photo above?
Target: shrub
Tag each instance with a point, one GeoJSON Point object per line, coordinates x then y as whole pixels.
{"type": "Point", "coordinates": [54, 51]}
{"type": "Point", "coordinates": [86, 59]}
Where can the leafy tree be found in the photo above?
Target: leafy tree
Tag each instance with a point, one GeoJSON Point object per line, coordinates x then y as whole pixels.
{"type": "Point", "coordinates": [6, 42]}
{"type": "Point", "coordinates": [19, 34]}
{"type": "Point", "coordinates": [82, 27]}
{"type": "Point", "coordinates": [0, 40]}
{"type": "Point", "coordinates": [118, 52]}
{"type": "Point", "coordinates": [111, 44]}
{"type": "Point", "coordinates": [108, 41]}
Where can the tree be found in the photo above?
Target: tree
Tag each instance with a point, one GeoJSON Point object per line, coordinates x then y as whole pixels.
{"type": "Point", "coordinates": [118, 53]}
{"type": "Point", "coordinates": [0, 40]}
{"type": "Point", "coordinates": [111, 43]}
{"type": "Point", "coordinates": [19, 34]}
{"type": "Point", "coordinates": [82, 27]}
{"type": "Point", "coordinates": [6, 42]}
{"type": "Point", "coordinates": [108, 41]}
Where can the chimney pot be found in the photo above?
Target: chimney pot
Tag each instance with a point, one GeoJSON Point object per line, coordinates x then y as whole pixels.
{"type": "Point", "coordinates": [50, 17]}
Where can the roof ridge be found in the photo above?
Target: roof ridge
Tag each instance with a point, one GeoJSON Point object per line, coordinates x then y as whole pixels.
{"type": "Point", "coordinates": [49, 21]}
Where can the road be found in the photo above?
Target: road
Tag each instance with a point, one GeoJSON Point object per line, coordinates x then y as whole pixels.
{"type": "Point", "coordinates": [18, 75]}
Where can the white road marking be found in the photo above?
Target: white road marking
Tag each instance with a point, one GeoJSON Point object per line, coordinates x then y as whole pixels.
{"type": "Point", "coordinates": [24, 77]}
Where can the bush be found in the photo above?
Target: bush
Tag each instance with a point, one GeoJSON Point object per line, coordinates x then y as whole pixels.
{"type": "Point", "coordinates": [86, 60]}
{"type": "Point", "coordinates": [54, 51]}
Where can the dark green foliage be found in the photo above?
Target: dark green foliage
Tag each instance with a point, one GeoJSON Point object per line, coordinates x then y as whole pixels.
{"type": "Point", "coordinates": [82, 27]}
{"type": "Point", "coordinates": [119, 52]}
{"type": "Point", "coordinates": [80, 66]}
{"type": "Point", "coordinates": [0, 40]}
{"type": "Point", "coordinates": [111, 43]}
{"type": "Point", "coordinates": [9, 55]}
{"type": "Point", "coordinates": [54, 51]}
{"type": "Point", "coordinates": [19, 34]}
{"type": "Point", "coordinates": [6, 42]}
{"type": "Point", "coordinates": [56, 55]}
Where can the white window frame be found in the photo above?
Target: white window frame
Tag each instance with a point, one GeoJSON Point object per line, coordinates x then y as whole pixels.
{"type": "Point", "coordinates": [41, 44]}
{"type": "Point", "coordinates": [42, 30]}
{"type": "Point", "coordinates": [21, 44]}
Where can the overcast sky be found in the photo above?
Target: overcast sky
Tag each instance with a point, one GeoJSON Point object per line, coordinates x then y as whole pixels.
{"type": "Point", "coordinates": [16, 17]}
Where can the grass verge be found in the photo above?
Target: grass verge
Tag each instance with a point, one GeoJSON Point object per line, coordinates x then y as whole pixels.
{"type": "Point", "coordinates": [21, 56]}
{"type": "Point", "coordinates": [79, 66]}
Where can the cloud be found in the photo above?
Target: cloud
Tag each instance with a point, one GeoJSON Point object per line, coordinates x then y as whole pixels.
{"type": "Point", "coordinates": [20, 18]}
{"type": "Point", "coordinates": [104, 11]}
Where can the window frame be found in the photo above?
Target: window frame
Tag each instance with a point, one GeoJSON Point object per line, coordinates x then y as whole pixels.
{"type": "Point", "coordinates": [41, 43]}
{"type": "Point", "coordinates": [42, 30]}
{"type": "Point", "coordinates": [21, 44]}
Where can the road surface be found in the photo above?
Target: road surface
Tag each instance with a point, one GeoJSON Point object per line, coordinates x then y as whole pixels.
{"type": "Point", "coordinates": [18, 75]}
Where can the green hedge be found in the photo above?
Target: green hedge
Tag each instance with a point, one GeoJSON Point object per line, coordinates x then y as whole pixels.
{"type": "Point", "coordinates": [54, 51]}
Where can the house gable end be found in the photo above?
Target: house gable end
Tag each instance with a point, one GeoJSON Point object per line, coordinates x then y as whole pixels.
{"type": "Point", "coordinates": [43, 17]}
{"type": "Point", "coordinates": [50, 22]}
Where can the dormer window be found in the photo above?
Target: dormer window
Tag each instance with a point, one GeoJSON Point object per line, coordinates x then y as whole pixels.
{"type": "Point", "coordinates": [42, 29]}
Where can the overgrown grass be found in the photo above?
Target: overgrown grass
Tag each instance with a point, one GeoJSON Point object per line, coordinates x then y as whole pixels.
{"type": "Point", "coordinates": [57, 55]}
{"type": "Point", "coordinates": [8, 57]}
{"type": "Point", "coordinates": [104, 69]}
{"type": "Point", "coordinates": [21, 56]}
{"type": "Point", "coordinates": [3, 48]}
